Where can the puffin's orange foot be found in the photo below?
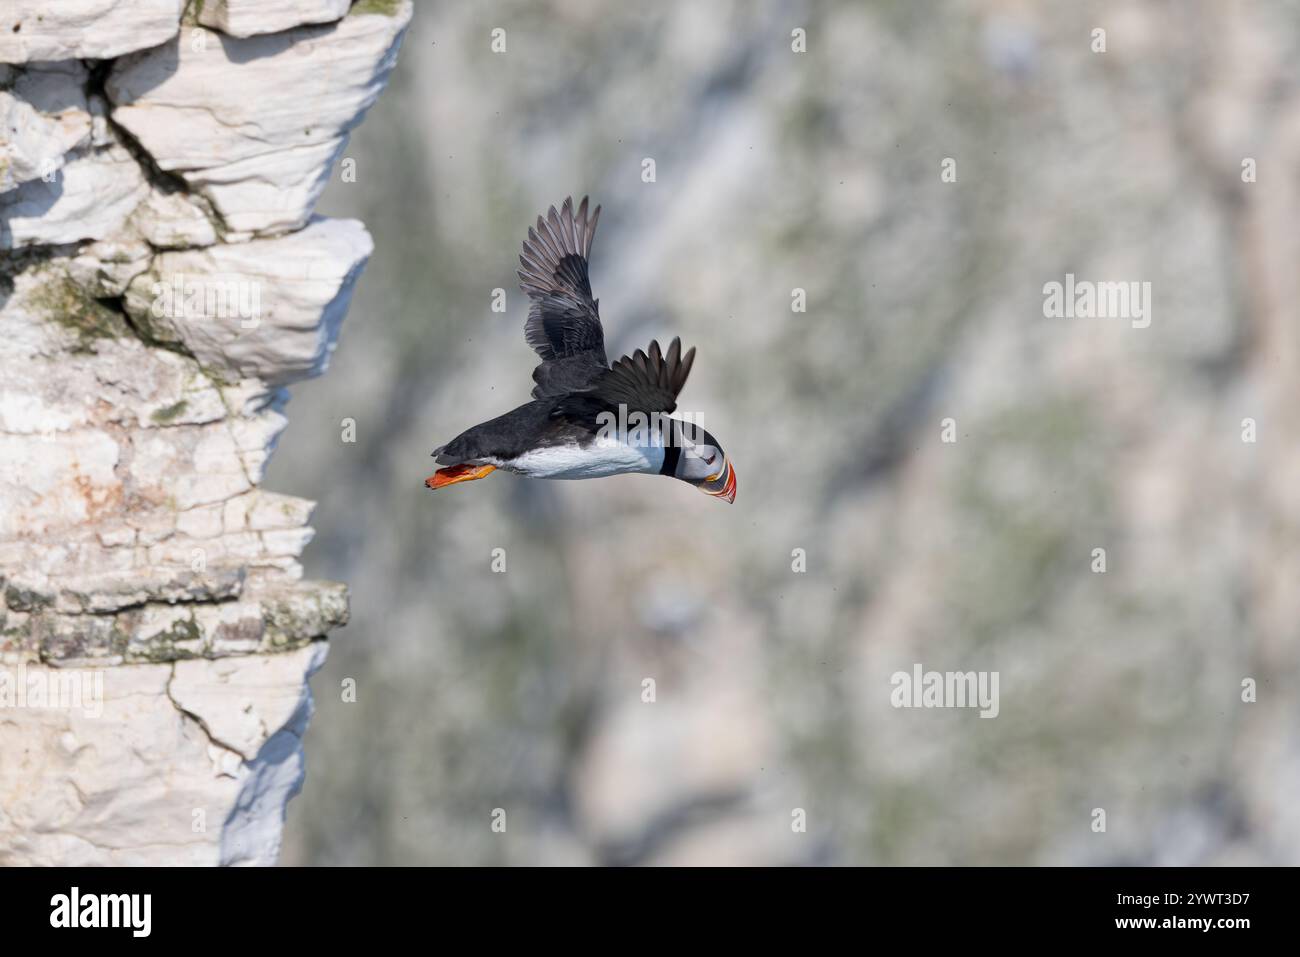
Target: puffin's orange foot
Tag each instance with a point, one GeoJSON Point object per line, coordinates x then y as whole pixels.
{"type": "Point", "coordinates": [458, 473]}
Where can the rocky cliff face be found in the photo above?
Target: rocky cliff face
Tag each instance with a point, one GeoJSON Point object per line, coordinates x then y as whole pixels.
{"type": "Point", "coordinates": [162, 279]}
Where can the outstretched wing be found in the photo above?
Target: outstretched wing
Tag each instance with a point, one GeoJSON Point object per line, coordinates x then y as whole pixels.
{"type": "Point", "coordinates": [645, 382]}
{"type": "Point", "coordinates": [563, 324]}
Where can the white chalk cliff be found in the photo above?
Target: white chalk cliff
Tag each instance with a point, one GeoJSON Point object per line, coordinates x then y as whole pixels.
{"type": "Point", "coordinates": [162, 279]}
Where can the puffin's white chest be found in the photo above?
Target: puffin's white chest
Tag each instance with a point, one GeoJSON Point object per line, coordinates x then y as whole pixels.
{"type": "Point", "coordinates": [604, 456]}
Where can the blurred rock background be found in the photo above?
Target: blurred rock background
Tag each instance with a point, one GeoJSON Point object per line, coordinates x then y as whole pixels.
{"type": "Point", "coordinates": [778, 170]}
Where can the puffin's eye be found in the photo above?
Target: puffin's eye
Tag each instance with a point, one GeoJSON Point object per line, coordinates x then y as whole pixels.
{"type": "Point", "coordinates": [709, 458]}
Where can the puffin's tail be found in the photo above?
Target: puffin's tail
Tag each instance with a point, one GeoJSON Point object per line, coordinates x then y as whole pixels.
{"type": "Point", "coordinates": [446, 455]}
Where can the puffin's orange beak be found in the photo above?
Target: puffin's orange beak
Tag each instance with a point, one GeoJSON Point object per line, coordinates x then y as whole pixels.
{"type": "Point", "coordinates": [728, 490]}
{"type": "Point", "coordinates": [457, 473]}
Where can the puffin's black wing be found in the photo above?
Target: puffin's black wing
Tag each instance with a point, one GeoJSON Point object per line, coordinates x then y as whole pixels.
{"type": "Point", "coordinates": [563, 324]}
{"type": "Point", "coordinates": [643, 382]}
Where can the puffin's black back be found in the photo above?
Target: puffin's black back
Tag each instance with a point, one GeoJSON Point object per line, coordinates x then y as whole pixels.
{"type": "Point", "coordinates": [534, 425]}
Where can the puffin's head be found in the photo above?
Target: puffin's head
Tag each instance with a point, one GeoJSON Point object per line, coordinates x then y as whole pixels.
{"type": "Point", "coordinates": [703, 464]}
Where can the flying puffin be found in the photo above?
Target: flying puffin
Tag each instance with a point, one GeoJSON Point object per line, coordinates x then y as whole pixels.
{"type": "Point", "coordinates": [588, 419]}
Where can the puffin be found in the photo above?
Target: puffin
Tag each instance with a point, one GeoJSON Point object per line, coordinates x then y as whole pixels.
{"type": "Point", "coordinates": [588, 419]}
